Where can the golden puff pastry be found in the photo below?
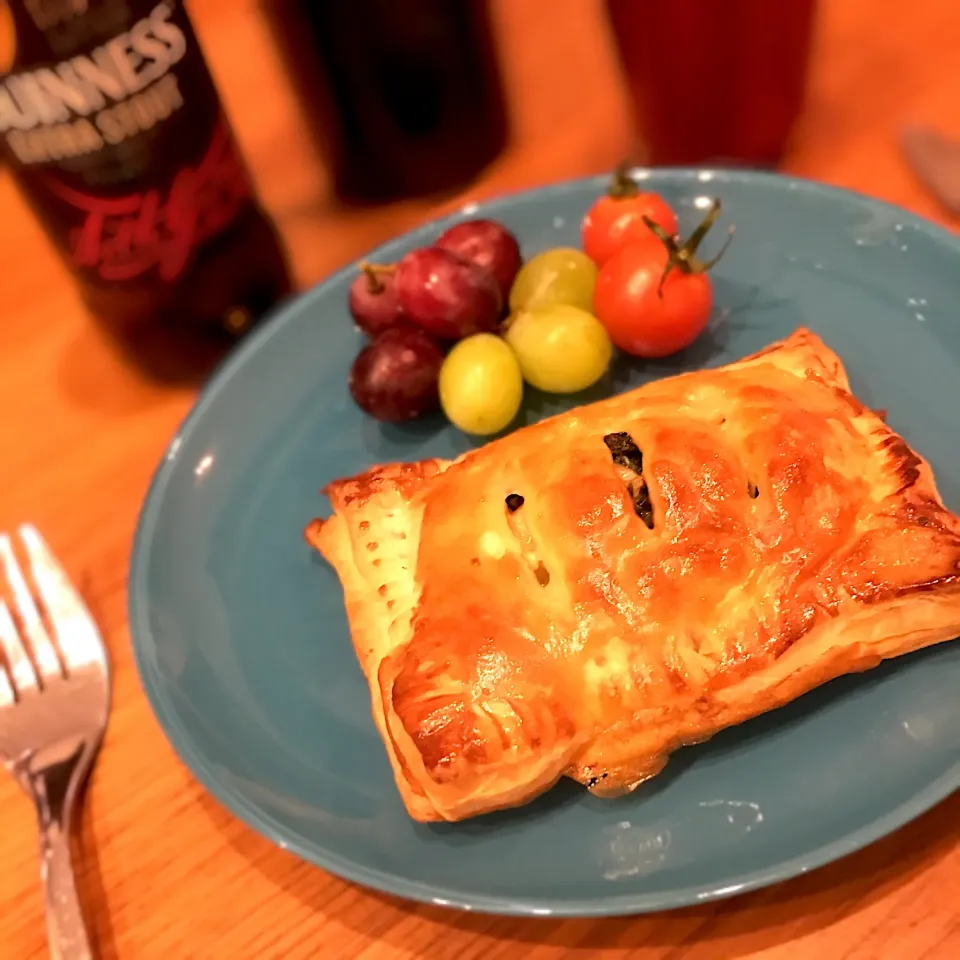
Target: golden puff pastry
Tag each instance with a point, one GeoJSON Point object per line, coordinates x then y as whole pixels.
{"type": "Point", "coordinates": [585, 595]}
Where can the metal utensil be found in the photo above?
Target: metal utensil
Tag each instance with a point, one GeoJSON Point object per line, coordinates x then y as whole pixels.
{"type": "Point", "coordinates": [54, 701]}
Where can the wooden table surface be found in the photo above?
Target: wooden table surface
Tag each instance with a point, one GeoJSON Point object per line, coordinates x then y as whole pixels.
{"type": "Point", "coordinates": [166, 872]}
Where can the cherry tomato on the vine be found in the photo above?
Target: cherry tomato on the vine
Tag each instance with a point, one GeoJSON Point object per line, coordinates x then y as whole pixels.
{"type": "Point", "coordinates": [616, 219]}
{"type": "Point", "coordinates": [648, 309]}
{"type": "Point", "coordinates": [642, 318]}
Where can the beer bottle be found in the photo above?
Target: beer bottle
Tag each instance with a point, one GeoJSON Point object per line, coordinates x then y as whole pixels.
{"type": "Point", "coordinates": [114, 132]}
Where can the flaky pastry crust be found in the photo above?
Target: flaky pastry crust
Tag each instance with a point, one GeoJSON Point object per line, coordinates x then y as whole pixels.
{"type": "Point", "coordinates": [584, 596]}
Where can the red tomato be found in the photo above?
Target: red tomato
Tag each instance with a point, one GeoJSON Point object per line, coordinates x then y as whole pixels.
{"type": "Point", "coordinates": [614, 222]}
{"type": "Point", "coordinates": [641, 317]}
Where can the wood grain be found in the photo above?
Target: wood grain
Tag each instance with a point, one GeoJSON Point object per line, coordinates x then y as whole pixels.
{"type": "Point", "coordinates": [167, 873]}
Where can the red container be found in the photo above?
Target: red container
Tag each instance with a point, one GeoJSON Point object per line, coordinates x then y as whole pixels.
{"type": "Point", "coordinates": [719, 81]}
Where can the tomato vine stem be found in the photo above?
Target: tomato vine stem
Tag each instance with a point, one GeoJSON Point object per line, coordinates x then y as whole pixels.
{"type": "Point", "coordinates": [682, 254]}
{"type": "Point", "coordinates": [623, 185]}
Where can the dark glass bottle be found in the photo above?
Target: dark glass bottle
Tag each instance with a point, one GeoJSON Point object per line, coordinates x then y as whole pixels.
{"type": "Point", "coordinates": [114, 131]}
{"type": "Point", "coordinates": [406, 97]}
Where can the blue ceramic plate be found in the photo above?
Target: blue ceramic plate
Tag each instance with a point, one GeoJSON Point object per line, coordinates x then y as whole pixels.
{"type": "Point", "coordinates": [242, 642]}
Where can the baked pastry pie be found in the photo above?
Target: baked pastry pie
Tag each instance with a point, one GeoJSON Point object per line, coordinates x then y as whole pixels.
{"type": "Point", "coordinates": [587, 594]}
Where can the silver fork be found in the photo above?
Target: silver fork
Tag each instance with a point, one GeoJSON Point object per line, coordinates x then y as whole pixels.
{"type": "Point", "coordinates": [54, 701]}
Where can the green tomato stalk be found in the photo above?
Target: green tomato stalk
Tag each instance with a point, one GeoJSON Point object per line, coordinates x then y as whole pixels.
{"type": "Point", "coordinates": [622, 185]}
{"type": "Point", "coordinates": [683, 254]}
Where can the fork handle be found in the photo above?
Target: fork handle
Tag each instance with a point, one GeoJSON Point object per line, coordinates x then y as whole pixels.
{"type": "Point", "coordinates": [54, 791]}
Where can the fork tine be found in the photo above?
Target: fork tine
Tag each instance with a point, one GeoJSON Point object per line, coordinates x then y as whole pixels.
{"type": "Point", "coordinates": [6, 691]}
{"type": "Point", "coordinates": [22, 675]}
{"type": "Point", "coordinates": [44, 654]}
{"type": "Point", "coordinates": [77, 636]}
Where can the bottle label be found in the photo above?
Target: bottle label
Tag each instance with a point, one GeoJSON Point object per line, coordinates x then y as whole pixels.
{"type": "Point", "coordinates": [121, 144]}
{"type": "Point", "coordinates": [116, 91]}
{"type": "Point", "coordinates": [122, 237]}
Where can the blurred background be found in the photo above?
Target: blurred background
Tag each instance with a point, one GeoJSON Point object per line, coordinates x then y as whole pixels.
{"type": "Point", "coordinates": [356, 120]}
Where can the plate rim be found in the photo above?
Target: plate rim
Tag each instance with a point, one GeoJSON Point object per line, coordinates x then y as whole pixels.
{"type": "Point", "coordinates": [508, 905]}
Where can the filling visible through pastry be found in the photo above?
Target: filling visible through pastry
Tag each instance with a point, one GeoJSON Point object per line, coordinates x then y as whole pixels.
{"type": "Point", "coordinates": [585, 595]}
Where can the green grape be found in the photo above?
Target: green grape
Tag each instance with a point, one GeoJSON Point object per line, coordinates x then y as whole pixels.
{"type": "Point", "coordinates": [561, 275]}
{"type": "Point", "coordinates": [481, 386]}
{"type": "Point", "coordinates": [561, 348]}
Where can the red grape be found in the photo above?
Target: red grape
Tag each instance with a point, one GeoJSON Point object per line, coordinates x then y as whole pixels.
{"type": "Point", "coordinates": [395, 376]}
{"type": "Point", "coordinates": [447, 295]}
{"type": "Point", "coordinates": [488, 245]}
{"type": "Point", "coordinates": [373, 299]}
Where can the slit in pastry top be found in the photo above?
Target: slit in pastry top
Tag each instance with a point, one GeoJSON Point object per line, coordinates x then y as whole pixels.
{"type": "Point", "coordinates": [628, 460]}
{"type": "Point", "coordinates": [516, 522]}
